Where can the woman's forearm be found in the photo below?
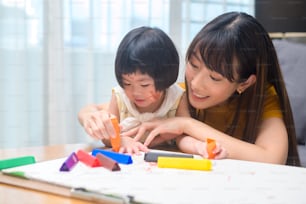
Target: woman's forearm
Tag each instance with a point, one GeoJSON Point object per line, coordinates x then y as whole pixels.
{"type": "Point", "coordinates": [236, 148]}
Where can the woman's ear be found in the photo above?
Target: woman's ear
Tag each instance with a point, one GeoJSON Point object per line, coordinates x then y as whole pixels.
{"type": "Point", "coordinates": [246, 84]}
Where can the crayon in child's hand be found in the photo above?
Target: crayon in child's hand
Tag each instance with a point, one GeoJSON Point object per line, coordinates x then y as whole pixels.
{"type": "Point", "coordinates": [116, 141]}
{"type": "Point", "coordinates": [211, 145]}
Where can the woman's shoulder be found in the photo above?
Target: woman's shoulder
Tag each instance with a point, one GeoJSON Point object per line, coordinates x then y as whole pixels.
{"type": "Point", "coordinates": [271, 90]}
{"type": "Point", "coordinates": [272, 106]}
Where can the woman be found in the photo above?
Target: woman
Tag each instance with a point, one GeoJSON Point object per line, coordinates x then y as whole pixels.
{"type": "Point", "coordinates": [236, 95]}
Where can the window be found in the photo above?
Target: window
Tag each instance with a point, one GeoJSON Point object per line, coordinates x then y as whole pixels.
{"type": "Point", "coordinates": [57, 56]}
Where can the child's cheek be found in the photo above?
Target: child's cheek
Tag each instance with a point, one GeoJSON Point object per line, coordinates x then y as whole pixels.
{"type": "Point", "coordinates": [155, 95]}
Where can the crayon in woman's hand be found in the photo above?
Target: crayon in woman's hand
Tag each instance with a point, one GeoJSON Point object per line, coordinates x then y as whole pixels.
{"type": "Point", "coordinates": [116, 141]}
{"type": "Point", "coordinates": [211, 145]}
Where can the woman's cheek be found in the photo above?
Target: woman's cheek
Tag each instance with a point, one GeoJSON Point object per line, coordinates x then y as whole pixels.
{"type": "Point", "coordinates": [188, 74]}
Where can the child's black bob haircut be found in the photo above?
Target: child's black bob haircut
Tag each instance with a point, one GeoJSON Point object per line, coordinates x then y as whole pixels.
{"type": "Point", "coordinates": [149, 51]}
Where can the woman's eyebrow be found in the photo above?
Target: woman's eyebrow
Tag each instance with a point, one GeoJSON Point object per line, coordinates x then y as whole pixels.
{"type": "Point", "coordinates": [194, 54]}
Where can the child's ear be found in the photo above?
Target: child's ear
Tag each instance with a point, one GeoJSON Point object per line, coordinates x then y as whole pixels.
{"type": "Point", "coordinates": [246, 84]}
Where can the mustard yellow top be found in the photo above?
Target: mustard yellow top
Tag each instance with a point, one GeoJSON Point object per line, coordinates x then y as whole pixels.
{"type": "Point", "coordinates": [221, 117]}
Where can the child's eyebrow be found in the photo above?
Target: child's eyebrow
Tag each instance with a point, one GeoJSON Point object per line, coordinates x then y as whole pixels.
{"type": "Point", "coordinates": [140, 79]}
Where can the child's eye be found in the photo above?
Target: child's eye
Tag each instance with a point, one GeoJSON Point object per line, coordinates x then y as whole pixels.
{"type": "Point", "coordinates": [145, 85]}
{"type": "Point", "coordinates": [126, 84]}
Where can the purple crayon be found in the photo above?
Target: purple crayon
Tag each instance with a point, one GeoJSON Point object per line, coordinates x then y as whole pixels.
{"type": "Point", "coordinates": [70, 162]}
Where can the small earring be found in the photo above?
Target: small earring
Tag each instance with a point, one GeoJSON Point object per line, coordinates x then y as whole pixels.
{"type": "Point", "coordinates": [239, 91]}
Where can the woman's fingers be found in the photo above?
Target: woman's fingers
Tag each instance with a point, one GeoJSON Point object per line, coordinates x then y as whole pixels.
{"type": "Point", "coordinates": [130, 133]}
{"type": "Point", "coordinates": [220, 152]}
{"type": "Point", "coordinates": [140, 133]}
{"type": "Point", "coordinates": [154, 133]}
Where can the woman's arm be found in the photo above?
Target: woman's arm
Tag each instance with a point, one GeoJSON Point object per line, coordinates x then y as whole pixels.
{"type": "Point", "coordinates": [270, 146]}
{"type": "Point", "coordinates": [191, 145]}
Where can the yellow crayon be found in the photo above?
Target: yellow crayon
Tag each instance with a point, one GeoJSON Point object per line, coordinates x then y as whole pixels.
{"type": "Point", "coordinates": [184, 163]}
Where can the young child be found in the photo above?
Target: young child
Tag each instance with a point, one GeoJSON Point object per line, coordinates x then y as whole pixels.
{"type": "Point", "coordinates": [146, 68]}
{"type": "Point", "coordinates": [236, 94]}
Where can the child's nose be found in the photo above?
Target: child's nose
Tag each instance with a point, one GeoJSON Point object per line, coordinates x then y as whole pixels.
{"type": "Point", "coordinates": [136, 91]}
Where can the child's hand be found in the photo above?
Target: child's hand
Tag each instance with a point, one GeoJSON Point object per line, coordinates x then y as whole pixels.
{"type": "Point", "coordinates": [98, 125]}
{"type": "Point", "coordinates": [130, 146]}
{"type": "Point", "coordinates": [218, 151]}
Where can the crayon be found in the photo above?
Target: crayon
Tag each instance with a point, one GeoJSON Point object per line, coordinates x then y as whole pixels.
{"type": "Point", "coordinates": [107, 162]}
{"type": "Point", "coordinates": [18, 161]}
{"type": "Point", "coordinates": [70, 162]}
{"type": "Point", "coordinates": [118, 157]}
{"type": "Point", "coordinates": [152, 156]}
{"type": "Point", "coordinates": [116, 141]}
{"type": "Point", "coordinates": [87, 159]}
{"type": "Point", "coordinates": [211, 145]}
{"type": "Point", "coordinates": [184, 163]}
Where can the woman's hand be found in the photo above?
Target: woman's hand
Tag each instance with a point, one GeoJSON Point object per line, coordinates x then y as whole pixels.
{"type": "Point", "coordinates": [160, 130]}
{"type": "Point", "coordinates": [218, 151]}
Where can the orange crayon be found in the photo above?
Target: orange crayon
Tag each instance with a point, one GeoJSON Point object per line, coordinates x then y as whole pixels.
{"type": "Point", "coordinates": [211, 145]}
{"type": "Point", "coordinates": [116, 141]}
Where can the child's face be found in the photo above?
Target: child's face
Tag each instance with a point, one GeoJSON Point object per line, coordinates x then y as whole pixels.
{"type": "Point", "coordinates": [206, 87]}
{"type": "Point", "coordinates": [140, 89]}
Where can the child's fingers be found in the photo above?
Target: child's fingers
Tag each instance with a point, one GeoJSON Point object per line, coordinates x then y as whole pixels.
{"type": "Point", "coordinates": [92, 129]}
{"type": "Point", "coordinates": [122, 150]}
{"type": "Point", "coordinates": [107, 124]}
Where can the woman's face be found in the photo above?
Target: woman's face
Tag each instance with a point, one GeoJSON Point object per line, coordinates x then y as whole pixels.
{"type": "Point", "coordinates": [206, 88]}
{"type": "Point", "coordinates": [140, 89]}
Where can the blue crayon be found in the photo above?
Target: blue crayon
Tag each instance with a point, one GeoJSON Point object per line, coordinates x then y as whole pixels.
{"type": "Point", "coordinates": [118, 157]}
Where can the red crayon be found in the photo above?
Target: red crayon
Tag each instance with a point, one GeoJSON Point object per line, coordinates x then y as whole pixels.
{"type": "Point", "coordinates": [88, 159]}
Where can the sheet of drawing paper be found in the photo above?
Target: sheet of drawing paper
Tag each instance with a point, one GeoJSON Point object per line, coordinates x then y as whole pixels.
{"type": "Point", "coordinates": [229, 181]}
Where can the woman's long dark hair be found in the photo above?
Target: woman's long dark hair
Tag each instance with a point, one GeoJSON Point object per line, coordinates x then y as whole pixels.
{"type": "Point", "coordinates": [235, 43]}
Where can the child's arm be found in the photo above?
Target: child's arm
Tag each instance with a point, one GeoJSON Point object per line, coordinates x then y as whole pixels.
{"type": "Point", "coordinates": [96, 120]}
{"type": "Point", "coordinates": [89, 109]}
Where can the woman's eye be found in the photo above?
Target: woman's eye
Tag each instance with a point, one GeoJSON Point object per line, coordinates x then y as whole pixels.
{"type": "Point", "coordinates": [145, 85]}
{"type": "Point", "coordinates": [194, 66]}
{"type": "Point", "coordinates": [215, 78]}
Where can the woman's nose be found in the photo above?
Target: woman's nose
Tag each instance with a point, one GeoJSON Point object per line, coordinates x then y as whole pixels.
{"type": "Point", "coordinates": [199, 81]}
